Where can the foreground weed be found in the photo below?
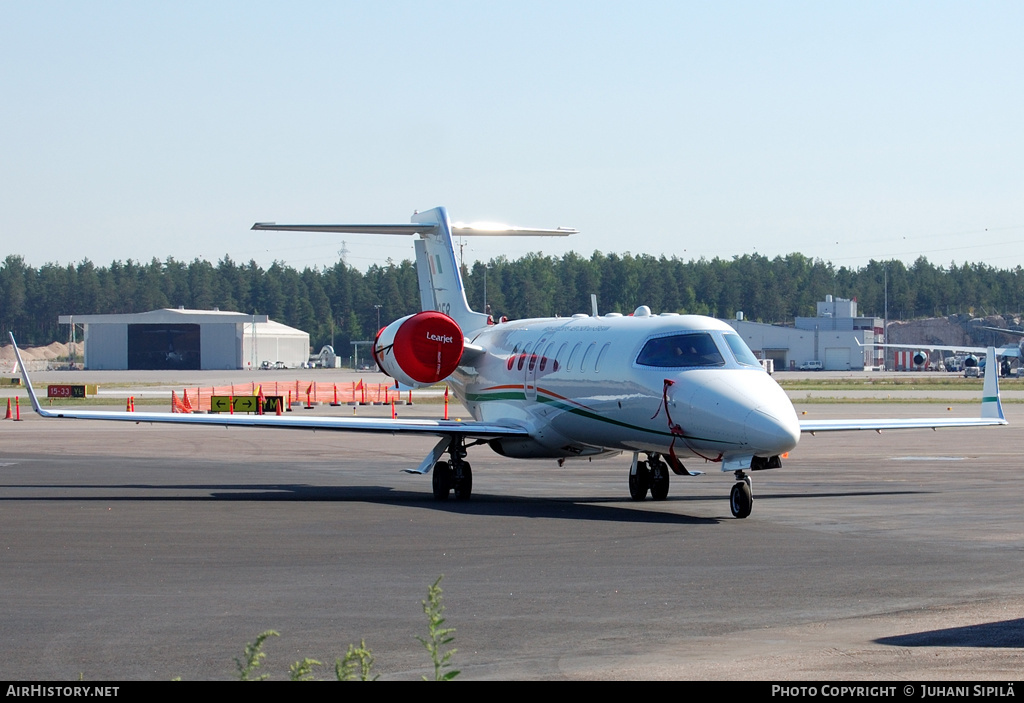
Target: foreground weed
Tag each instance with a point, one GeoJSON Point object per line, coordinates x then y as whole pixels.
{"type": "Point", "coordinates": [303, 670]}
{"type": "Point", "coordinates": [253, 656]}
{"type": "Point", "coordinates": [438, 636]}
{"type": "Point", "coordinates": [356, 665]}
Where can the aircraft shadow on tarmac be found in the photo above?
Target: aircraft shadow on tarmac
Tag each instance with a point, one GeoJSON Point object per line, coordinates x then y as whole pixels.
{"type": "Point", "coordinates": [577, 508]}
{"type": "Point", "coordinates": [1006, 633]}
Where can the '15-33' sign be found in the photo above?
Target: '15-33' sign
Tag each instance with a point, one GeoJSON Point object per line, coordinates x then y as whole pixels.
{"type": "Point", "coordinates": [65, 391]}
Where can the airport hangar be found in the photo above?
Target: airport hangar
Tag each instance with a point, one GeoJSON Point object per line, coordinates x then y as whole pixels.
{"type": "Point", "coordinates": [191, 340]}
{"type": "Point", "coordinates": [831, 337]}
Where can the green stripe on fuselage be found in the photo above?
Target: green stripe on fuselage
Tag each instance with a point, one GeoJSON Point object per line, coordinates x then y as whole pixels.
{"type": "Point", "coordinates": [590, 415]}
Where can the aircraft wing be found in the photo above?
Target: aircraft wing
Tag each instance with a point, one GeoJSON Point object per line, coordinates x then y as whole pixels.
{"type": "Point", "coordinates": [815, 426]}
{"type": "Point", "coordinates": [442, 428]}
{"type": "Point", "coordinates": [991, 412]}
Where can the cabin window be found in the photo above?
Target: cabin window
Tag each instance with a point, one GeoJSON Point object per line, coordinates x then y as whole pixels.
{"type": "Point", "coordinates": [512, 357]}
{"type": "Point", "coordinates": [560, 354]}
{"type": "Point", "coordinates": [586, 355]}
{"type": "Point", "coordinates": [681, 351]}
{"type": "Point", "coordinates": [597, 364]}
{"type": "Point", "coordinates": [522, 357]}
{"type": "Point", "coordinates": [572, 355]}
{"type": "Point", "coordinates": [740, 350]}
{"type": "Point", "coordinates": [544, 359]}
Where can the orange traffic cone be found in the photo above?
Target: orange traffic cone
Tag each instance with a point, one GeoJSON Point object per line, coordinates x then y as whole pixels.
{"type": "Point", "coordinates": [8, 415]}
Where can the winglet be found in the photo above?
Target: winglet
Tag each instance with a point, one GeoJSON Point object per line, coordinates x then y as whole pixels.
{"type": "Point", "coordinates": [24, 375]}
{"type": "Point", "coordinates": [991, 405]}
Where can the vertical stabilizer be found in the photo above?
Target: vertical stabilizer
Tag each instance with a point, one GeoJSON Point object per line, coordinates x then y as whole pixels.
{"type": "Point", "coordinates": [991, 404]}
{"type": "Point", "coordinates": [438, 271]}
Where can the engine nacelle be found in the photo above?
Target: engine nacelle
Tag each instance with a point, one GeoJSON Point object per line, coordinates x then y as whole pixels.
{"type": "Point", "coordinates": [419, 350]}
{"type": "Point", "coordinates": [920, 358]}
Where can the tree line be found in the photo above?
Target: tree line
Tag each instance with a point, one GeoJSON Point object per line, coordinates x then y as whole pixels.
{"type": "Point", "coordinates": [341, 304]}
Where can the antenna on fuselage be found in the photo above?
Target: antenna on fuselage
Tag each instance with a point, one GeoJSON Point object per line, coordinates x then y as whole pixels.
{"type": "Point", "coordinates": [593, 304]}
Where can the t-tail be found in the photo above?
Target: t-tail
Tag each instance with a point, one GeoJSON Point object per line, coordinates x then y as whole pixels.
{"type": "Point", "coordinates": [438, 271]}
{"type": "Point", "coordinates": [437, 268]}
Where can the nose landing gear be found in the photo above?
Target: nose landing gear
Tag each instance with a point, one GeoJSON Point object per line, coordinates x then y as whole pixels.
{"type": "Point", "coordinates": [741, 499]}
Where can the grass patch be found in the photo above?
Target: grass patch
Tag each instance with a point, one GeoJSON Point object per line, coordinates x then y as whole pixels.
{"type": "Point", "coordinates": [957, 383]}
{"type": "Point", "coordinates": [834, 400]}
{"type": "Point", "coordinates": [108, 402]}
{"type": "Point", "coordinates": [357, 664]}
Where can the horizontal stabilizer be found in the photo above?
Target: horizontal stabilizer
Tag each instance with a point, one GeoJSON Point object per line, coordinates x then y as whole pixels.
{"type": "Point", "coordinates": [458, 229]}
{"type": "Point", "coordinates": [348, 229]}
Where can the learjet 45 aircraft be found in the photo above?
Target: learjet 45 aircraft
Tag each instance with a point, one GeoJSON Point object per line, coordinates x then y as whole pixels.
{"type": "Point", "coordinates": [668, 389]}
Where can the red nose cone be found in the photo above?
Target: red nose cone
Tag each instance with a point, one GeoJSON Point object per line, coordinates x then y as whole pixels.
{"type": "Point", "coordinates": [428, 346]}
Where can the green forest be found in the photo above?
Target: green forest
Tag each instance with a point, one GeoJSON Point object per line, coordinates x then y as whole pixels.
{"type": "Point", "coordinates": [339, 303]}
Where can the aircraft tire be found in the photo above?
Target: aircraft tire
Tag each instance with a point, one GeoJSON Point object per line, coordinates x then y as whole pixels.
{"type": "Point", "coordinates": [442, 480]}
{"type": "Point", "coordinates": [640, 481]}
{"type": "Point", "coordinates": [659, 481]}
{"type": "Point", "coordinates": [463, 482]}
{"type": "Point", "coordinates": [741, 500]}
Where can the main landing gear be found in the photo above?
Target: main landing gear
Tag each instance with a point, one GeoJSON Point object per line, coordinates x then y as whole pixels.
{"type": "Point", "coordinates": [454, 475]}
{"type": "Point", "coordinates": [651, 475]}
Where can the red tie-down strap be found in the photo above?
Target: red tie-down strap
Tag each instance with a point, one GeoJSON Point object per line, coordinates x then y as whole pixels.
{"type": "Point", "coordinates": [676, 430]}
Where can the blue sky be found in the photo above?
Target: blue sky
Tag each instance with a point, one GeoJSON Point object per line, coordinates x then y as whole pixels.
{"type": "Point", "coordinates": [843, 130]}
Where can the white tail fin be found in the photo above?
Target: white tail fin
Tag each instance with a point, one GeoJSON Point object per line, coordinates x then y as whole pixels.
{"type": "Point", "coordinates": [438, 271]}
{"type": "Point", "coordinates": [436, 266]}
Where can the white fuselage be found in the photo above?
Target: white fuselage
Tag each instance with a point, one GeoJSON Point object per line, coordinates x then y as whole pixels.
{"type": "Point", "coordinates": [590, 385]}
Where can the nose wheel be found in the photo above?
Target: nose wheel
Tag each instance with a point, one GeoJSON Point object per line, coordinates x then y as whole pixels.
{"type": "Point", "coordinates": [741, 499]}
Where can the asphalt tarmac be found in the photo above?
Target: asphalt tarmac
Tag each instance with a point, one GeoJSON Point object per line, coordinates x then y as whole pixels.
{"type": "Point", "coordinates": [150, 552]}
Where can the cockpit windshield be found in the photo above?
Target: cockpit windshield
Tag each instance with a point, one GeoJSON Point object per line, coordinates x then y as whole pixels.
{"type": "Point", "coordinates": [681, 351]}
{"type": "Point", "coordinates": [741, 351]}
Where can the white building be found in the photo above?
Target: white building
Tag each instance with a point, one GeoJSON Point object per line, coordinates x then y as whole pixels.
{"type": "Point", "coordinates": [831, 338]}
{"type": "Point", "coordinates": [188, 340]}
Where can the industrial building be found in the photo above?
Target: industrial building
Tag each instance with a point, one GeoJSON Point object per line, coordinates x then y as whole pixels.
{"type": "Point", "coordinates": [830, 338]}
{"type": "Point", "coordinates": [188, 340]}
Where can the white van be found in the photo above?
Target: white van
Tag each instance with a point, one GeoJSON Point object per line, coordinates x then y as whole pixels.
{"type": "Point", "coordinates": [812, 366]}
